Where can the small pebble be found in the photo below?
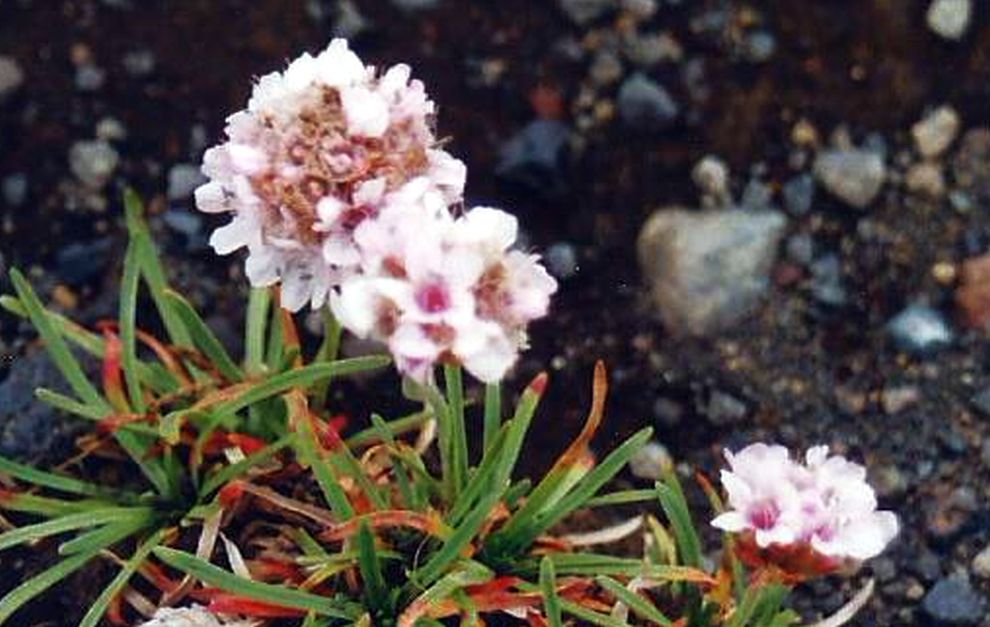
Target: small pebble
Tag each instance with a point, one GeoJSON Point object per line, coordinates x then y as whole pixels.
{"type": "Point", "coordinates": [926, 179]}
{"type": "Point", "coordinates": [920, 330]}
{"type": "Point", "coordinates": [949, 19]}
{"type": "Point", "coordinates": [533, 158]}
{"type": "Point", "coordinates": [645, 105]}
{"type": "Point", "coordinates": [11, 75]}
{"type": "Point", "coordinates": [651, 462]}
{"type": "Point", "coordinates": [953, 601]}
{"type": "Point", "coordinates": [606, 68]}
{"type": "Point", "coordinates": [981, 563]}
{"type": "Point", "coordinates": [139, 63]}
{"type": "Point", "coordinates": [759, 46]}
{"type": "Point", "coordinates": [799, 194]}
{"type": "Point", "coordinates": [89, 77]}
{"type": "Point", "coordinates": [724, 409]}
{"type": "Point", "coordinates": [584, 11]}
{"type": "Point", "coordinates": [93, 162]}
{"type": "Point", "coordinates": [15, 189]}
{"type": "Point", "coordinates": [111, 130]}
{"type": "Point", "coordinates": [936, 131]}
{"type": "Point", "coordinates": [561, 260]}
{"type": "Point", "coordinates": [854, 176]}
{"type": "Point", "coordinates": [711, 175]}
{"type": "Point", "coordinates": [183, 179]}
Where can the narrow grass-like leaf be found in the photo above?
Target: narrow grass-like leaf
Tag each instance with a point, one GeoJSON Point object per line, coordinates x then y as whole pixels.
{"type": "Point", "coordinates": [74, 407]}
{"type": "Point", "coordinates": [56, 346]}
{"type": "Point", "coordinates": [593, 564]}
{"type": "Point", "coordinates": [51, 480]}
{"type": "Point", "coordinates": [590, 616]}
{"type": "Point", "coordinates": [310, 454]}
{"type": "Point", "coordinates": [375, 590]}
{"type": "Point", "coordinates": [458, 433]}
{"type": "Point", "coordinates": [71, 522]}
{"type": "Point", "coordinates": [123, 527]}
{"type": "Point", "coordinates": [278, 595]}
{"type": "Point", "coordinates": [758, 606]}
{"type": "Point", "coordinates": [451, 550]}
{"type": "Point", "coordinates": [493, 413]}
{"type": "Point", "coordinates": [399, 426]}
{"type": "Point", "coordinates": [675, 506]}
{"type": "Point", "coordinates": [621, 498]}
{"type": "Point", "coordinates": [259, 304]}
{"type": "Point", "coordinates": [151, 267]}
{"type": "Point", "coordinates": [639, 606]}
{"type": "Point", "coordinates": [91, 343]}
{"type": "Point", "coordinates": [41, 582]}
{"type": "Point", "coordinates": [45, 506]}
{"type": "Point", "coordinates": [586, 488]}
{"type": "Point", "coordinates": [127, 321]}
{"type": "Point", "coordinates": [483, 477]}
{"type": "Point", "coordinates": [102, 602]}
{"type": "Point", "coordinates": [329, 348]}
{"type": "Point", "coordinates": [548, 588]}
{"type": "Point", "coordinates": [203, 338]}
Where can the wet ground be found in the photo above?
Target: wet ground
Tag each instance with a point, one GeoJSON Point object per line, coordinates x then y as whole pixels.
{"type": "Point", "coordinates": [761, 85]}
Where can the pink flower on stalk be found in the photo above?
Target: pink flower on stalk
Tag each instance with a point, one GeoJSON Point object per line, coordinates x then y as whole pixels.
{"type": "Point", "coordinates": [438, 289]}
{"type": "Point", "coordinates": [823, 507]}
{"type": "Point", "coordinates": [321, 148]}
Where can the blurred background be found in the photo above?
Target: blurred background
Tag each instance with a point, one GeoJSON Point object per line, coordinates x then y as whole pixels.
{"type": "Point", "coordinates": [813, 177]}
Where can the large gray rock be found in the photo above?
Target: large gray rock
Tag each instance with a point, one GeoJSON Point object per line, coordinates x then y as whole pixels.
{"type": "Point", "coordinates": [854, 176]}
{"type": "Point", "coordinates": [706, 270]}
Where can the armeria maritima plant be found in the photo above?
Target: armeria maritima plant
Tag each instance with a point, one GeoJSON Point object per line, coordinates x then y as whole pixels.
{"type": "Point", "coordinates": [255, 503]}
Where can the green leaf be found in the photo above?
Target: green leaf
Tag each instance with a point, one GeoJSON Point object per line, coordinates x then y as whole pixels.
{"type": "Point", "coordinates": [675, 506]}
{"type": "Point", "coordinates": [51, 480]}
{"type": "Point", "coordinates": [151, 266]}
{"type": "Point", "coordinates": [127, 322]}
{"type": "Point", "coordinates": [548, 587]}
{"type": "Point", "coordinates": [482, 480]}
{"type": "Point", "coordinates": [593, 564]}
{"type": "Point", "coordinates": [579, 495]}
{"type": "Point", "coordinates": [99, 606]}
{"type": "Point", "coordinates": [493, 413]}
{"type": "Point", "coordinates": [759, 606]}
{"type": "Point", "coordinates": [639, 606]}
{"type": "Point", "coordinates": [71, 522]}
{"type": "Point", "coordinates": [458, 433]}
{"type": "Point", "coordinates": [259, 304]}
{"type": "Point", "coordinates": [41, 582]}
{"type": "Point", "coordinates": [375, 590]}
{"type": "Point", "coordinates": [158, 379]}
{"type": "Point", "coordinates": [590, 616]}
{"type": "Point", "coordinates": [399, 426]}
{"type": "Point", "coordinates": [329, 348]}
{"type": "Point", "coordinates": [623, 497]}
{"type": "Point", "coordinates": [278, 595]}
{"type": "Point", "coordinates": [309, 453]}
{"type": "Point", "coordinates": [56, 346]}
{"type": "Point", "coordinates": [124, 526]}
{"type": "Point", "coordinates": [203, 338]}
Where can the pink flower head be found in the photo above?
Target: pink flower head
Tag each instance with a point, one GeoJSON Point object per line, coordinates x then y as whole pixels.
{"type": "Point", "coordinates": [823, 507]}
{"type": "Point", "coordinates": [321, 148]}
{"type": "Point", "coordinates": [437, 289]}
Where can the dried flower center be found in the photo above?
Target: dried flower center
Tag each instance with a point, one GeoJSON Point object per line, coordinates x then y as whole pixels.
{"type": "Point", "coordinates": [313, 157]}
{"type": "Point", "coordinates": [764, 516]}
{"type": "Point", "coordinates": [433, 298]}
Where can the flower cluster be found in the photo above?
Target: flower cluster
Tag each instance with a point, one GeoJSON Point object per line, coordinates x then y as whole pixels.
{"type": "Point", "coordinates": [339, 192]}
{"type": "Point", "coordinates": [823, 508]}
{"type": "Point", "coordinates": [321, 147]}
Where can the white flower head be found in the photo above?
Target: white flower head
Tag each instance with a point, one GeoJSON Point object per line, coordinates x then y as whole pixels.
{"type": "Point", "coordinates": [321, 148]}
{"type": "Point", "coordinates": [824, 504]}
{"type": "Point", "coordinates": [438, 289]}
{"type": "Point", "coordinates": [193, 616]}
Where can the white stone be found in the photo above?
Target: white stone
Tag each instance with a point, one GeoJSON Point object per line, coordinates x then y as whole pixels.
{"type": "Point", "coordinates": [711, 175]}
{"type": "Point", "coordinates": [93, 162]}
{"type": "Point", "coordinates": [925, 178]}
{"type": "Point", "coordinates": [854, 176]}
{"type": "Point", "coordinates": [949, 19]}
{"type": "Point", "coordinates": [651, 462]}
{"type": "Point", "coordinates": [981, 564]}
{"type": "Point", "coordinates": [936, 131]}
{"type": "Point", "coordinates": [11, 75]}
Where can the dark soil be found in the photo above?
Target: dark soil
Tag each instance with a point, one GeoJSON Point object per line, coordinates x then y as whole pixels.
{"type": "Point", "coordinates": [805, 372]}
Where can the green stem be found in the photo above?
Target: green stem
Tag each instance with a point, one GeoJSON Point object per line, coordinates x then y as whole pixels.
{"type": "Point", "coordinates": [493, 413]}
{"type": "Point", "coordinates": [458, 430]}
{"type": "Point", "coordinates": [329, 351]}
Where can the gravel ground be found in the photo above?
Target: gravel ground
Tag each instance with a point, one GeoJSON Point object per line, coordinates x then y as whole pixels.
{"type": "Point", "coordinates": [822, 172]}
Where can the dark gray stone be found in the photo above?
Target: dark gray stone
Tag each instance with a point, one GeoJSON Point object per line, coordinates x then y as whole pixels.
{"type": "Point", "coordinates": [799, 194]}
{"type": "Point", "coordinates": [78, 263]}
{"type": "Point", "coordinates": [644, 104]}
{"type": "Point", "coordinates": [533, 158]}
{"type": "Point", "coordinates": [29, 429]}
{"type": "Point", "coordinates": [953, 601]}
